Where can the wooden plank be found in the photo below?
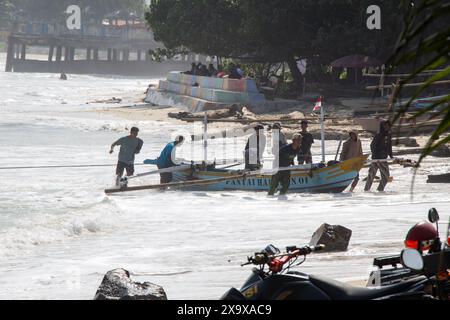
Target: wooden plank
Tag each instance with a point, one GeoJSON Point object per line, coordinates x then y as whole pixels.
{"type": "Point", "coordinates": [402, 75]}
{"type": "Point", "coordinates": [407, 85]}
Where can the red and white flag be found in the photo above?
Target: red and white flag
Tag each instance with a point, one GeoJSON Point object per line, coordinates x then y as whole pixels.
{"type": "Point", "coordinates": [318, 105]}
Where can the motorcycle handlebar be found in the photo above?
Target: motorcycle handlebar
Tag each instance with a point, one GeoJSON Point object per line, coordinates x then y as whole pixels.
{"type": "Point", "coordinates": [261, 258]}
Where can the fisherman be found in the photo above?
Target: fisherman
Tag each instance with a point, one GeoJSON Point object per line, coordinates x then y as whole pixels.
{"type": "Point", "coordinates": [305, 155]}
{"type": "Point", "coordinates": [381, 148]}
{"type": "Point", "coordinates": [129, 147]}
{"type": "Point", "coordinates": [254, 149]}
{"type": "Point", "coordinates": [352, 149]}
{"type": "Point", "coordinates": [282, 140]}
{"type": "Point", "coordinates": [167, 158]}
{"type": "Point", "coordinates": [286, 158]}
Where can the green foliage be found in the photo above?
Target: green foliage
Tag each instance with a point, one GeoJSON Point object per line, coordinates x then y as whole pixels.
{"type": "Point", "coordinates": [6, 9]}
{"type": "Point", "coordinates": [424, 43]}
{"type": "Point", "coordinates": [274, 31]}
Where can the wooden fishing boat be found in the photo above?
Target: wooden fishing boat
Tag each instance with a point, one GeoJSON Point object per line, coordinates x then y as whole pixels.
{"type": "Point", "coordinates": [334, 178]}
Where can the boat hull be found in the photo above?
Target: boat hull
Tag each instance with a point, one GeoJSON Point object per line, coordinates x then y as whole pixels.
{"type": "Point", "coordinates": [332, 179]}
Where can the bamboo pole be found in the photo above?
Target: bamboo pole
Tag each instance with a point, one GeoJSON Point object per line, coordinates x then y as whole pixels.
{"type": "Point", "coordinates": [400, 75]}
{"type": "Point", "coordinates": [407, 85]}
{"type": "Point", "coordinates": [181, 184]}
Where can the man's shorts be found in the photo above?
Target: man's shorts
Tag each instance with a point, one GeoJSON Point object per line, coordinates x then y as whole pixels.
{"type": "Point", "coordinates": [122, 166]}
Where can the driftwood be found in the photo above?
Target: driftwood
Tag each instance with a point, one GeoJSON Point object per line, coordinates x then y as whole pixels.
{"type": "Point", "coordinates": [233, 111]}
{"type": "Point", "coordinates": [441, 152]}
{"type": "Point", "coordinates": [440, 178]}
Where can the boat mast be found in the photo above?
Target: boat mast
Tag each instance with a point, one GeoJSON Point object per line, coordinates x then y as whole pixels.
{"type": "Point", "coordinates": [322, 133]}
{"type": "Point", "coordinates": [205, 138]}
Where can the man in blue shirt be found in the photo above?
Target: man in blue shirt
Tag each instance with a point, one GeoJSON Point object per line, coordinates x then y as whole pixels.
{"type": "Point", "coordinates": [165, 160]}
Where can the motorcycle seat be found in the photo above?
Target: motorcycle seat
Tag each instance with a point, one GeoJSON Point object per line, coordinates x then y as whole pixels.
{"type": "Point", "coordinates": [341, 291]}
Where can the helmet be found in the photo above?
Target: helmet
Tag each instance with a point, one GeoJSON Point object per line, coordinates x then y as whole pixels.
{"type": "Point", "coordinates": [422, 236]}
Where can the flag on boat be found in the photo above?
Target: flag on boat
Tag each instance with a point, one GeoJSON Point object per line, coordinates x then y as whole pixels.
{"type": "Point", "coordinates": [318, 105]}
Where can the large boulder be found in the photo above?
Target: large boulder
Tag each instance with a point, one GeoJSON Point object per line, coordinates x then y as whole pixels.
{"type": "Point", "coordinates": [335, 238]}
{"type": "Point", "coordinates": [117, 285]}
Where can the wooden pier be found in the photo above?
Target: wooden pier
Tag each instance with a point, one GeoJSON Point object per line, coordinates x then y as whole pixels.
{"type": "Point", "coordinates": [90, 55]}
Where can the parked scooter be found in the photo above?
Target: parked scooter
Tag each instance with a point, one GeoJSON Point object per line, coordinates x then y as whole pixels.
{"type": "Point", "coordinates": [273, 280]}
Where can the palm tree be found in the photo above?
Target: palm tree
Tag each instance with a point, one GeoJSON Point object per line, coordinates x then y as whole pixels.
{"type": "Point", "coordinates": [425, 44]}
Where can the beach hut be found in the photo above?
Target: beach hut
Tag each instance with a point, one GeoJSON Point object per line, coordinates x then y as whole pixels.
{"type": "Point", "coordinates": [356, 62]}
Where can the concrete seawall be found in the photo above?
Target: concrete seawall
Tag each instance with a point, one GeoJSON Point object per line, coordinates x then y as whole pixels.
{"type": "Point", "coordinates": [197, 93]}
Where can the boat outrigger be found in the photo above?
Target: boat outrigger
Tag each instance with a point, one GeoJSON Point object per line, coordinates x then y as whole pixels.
{"type": "Point", "coordinates": [317, 178]}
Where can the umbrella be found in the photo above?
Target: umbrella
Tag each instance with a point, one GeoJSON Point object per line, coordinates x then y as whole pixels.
{"type": "Point", "coordinates": [356, 61]}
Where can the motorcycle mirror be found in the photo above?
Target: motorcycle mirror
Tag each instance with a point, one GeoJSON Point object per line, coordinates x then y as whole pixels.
{"type": "Point", "coordinates": [433, 215]}
{"type": "Point", "coordinates": [412, 259]}
{"type": "Point", "coordinates": [272, 250]}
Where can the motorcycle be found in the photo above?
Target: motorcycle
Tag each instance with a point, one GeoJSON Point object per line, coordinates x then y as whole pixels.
{"type": "Point", "coordinates": [436, 264]}
{"type": "Point", "coordinates": [412, 276]}
{"type": "Point", "coordinates": [273, 280]}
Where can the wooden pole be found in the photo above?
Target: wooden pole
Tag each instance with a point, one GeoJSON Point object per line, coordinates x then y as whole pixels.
{"type": "Point", "coordinates": [66, 54]}
{"type": "Point", "coordinates": [96, 54]}
{"type": "Point", "coordinates": [339, 148]}
{"type": "Point", "coordinates": [322, 131]}
{"type": "Point", "coordinates": [395, 88]}
{"type": "Point", "coordinates": [10, 54]}
{"type": "Point", "coordinates": [205, 138]}
{"type": "Point", "coordinates": [50, 53]}
{"type": "Point", "coordinates": [23, 52]}
{"type": "Point", "coordinates": [58, 54]}
{"type": "Point", "coordinates": [382, 80]}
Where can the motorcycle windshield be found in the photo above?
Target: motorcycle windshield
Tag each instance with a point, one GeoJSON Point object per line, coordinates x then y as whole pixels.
{"type": "Point", "coordinates": [254, 278]}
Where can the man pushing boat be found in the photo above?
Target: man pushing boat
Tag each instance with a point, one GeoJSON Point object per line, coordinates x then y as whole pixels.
{"type": "Point", "coordinates": [167, 159]}
{"type": "Point", "coordinates": [285, 159]}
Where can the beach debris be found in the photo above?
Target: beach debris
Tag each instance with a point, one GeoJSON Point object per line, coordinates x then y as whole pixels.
{"type": "Point", "coordinates": [117, 285]}
{"type": "Point", "coordinates": [235, 111]}
{"type": "Point", "coordinates": [407, 142]}
{"type": "Point", "coordinates": [334, 237]}
{"type": "Point", "coordinates": [440, 152]}
{"type": "Point", "coordinates": [112, 100]}
{"type": "Point", "coordinates": [440, 178]}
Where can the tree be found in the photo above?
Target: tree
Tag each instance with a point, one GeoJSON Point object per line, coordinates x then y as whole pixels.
{"type": "Point", "coordinates": [6, 8]}
{"type": "Point", "coordinates": [272, 30]}
{"type": "Point", "coordinates": [424, 44]}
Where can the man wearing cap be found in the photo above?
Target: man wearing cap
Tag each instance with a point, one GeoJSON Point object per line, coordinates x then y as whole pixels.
{"type": "Point", "coordinates": [286, 158]}
{"type": "Point", "coordinates": [129, 147]}
{"type": "Point", "coordinates": [305, 156]}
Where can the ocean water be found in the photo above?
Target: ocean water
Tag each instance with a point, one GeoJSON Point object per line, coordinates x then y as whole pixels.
{"type": "Point", "coordinates": [59, 232]}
